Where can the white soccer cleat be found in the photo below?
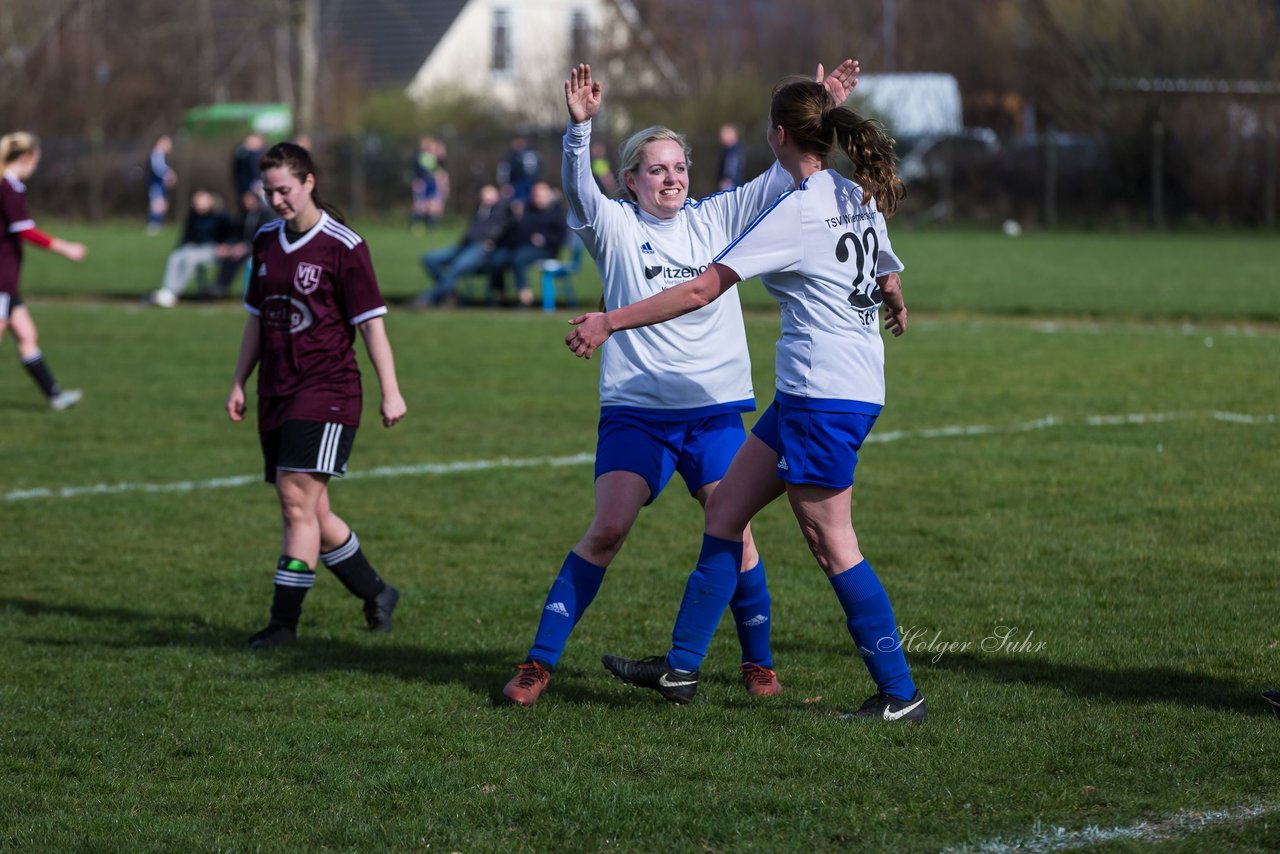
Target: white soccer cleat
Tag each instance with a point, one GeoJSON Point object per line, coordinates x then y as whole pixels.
{"type": "Point", "coordinates": [65, 399]}
{"type": "Point", "coordinates": [164, 299]}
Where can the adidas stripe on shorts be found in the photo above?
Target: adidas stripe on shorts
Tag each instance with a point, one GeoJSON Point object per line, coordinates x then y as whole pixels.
{"type": "Point", "coordinates": [8, 302]}
{"type": "Point", "coordinates": [310, 446]}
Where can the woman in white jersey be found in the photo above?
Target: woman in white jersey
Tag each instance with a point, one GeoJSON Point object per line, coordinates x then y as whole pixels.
{"type": "Point", "coordinates": [823, 252]}
{"type": "Point", "coordinates": [671, 397]}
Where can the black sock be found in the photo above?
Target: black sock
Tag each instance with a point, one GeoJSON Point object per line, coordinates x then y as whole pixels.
{"type": "Point", "coordinates": [293, 579]}
{"type": "Point", "coordinates": [352, 568]}
{"type": "Point", "coordinates": [41, 374]}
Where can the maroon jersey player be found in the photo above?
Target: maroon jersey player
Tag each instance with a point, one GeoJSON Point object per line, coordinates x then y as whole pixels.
{"type": "Point", "coordinates": [19, 155]}
{"type": "Point", "coordinates": [311, 286]}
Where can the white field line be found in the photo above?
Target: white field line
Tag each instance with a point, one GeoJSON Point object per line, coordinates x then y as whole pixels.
{"type": "Point", "coordinates": [1084, 327]}
{"type": "Point", "coordinates": [459, 466]}
{"type": "Point", "coordinates": [1177, 826]}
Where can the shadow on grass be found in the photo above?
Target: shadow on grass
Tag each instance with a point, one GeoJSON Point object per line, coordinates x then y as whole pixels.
{"type": "Point", "coordinates": [1134, 685]}
{"type": "Point", "coordinates": [480, 671]}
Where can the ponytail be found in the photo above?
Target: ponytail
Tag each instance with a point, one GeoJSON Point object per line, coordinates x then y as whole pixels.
{"type": "Point", "coordinates": [14, 145]}
{"type": "Point", "coordinates": [812, 119]}
{"type": "Point", "coordinates": [870, 149]}
{"type": "Point", "coordinates": [298, 161]}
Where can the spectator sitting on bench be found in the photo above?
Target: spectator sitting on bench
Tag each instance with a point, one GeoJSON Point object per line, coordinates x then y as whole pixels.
{"type": "Point", "coordinates": [536, 233]}
{"type": "Point", "coordinates": [256, 215]}
{"type": "Point", "coordinates": [471, 254]}
{"type": "Point", "coordinates": [207, 238]}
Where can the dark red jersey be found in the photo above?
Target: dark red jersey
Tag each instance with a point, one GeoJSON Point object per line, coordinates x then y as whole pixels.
{"type": "Point", "coordinates": [309, 295]}
{"type": "Point", "coordinates": [14, 218]}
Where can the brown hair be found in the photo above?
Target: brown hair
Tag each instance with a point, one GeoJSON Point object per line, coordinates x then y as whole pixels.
{"type": "Point", "coordinates": [297, 160]}
{"type": "Point", "coordinates": [815, 123]}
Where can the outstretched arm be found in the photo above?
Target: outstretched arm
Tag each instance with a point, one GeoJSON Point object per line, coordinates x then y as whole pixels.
{"type": "Point", "coordinates": [582, 96]}
{"type": "Point", "coordinates": [594, 329]}
{"type": "Point", "coordinates": [65, 248]}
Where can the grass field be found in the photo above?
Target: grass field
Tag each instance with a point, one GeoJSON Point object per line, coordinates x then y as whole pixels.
{"type": "Point", "coordinates": [1079, 454]}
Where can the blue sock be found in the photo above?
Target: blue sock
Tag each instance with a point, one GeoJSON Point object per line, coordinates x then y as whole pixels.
{"type": "Point", "coordinates": [751, 614]}
{"type": "Point", "coordinates": [570, 594]}
{"type": "Point", "coordinates": [871, 624]}
{"type": "Point", "coordinates": [706, 596]}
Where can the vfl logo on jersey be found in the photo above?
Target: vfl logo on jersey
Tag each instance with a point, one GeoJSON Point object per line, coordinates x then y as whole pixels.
{"type": "Point", "coordinates": [646, 248]}
{"type": "Point", "coordinates": [307, 277]}
{"type": "Point", "coordinates": [285, 314]}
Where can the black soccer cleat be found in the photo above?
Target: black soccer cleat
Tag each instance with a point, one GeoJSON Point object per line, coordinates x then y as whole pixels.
{"type": "Point", "coordinates": [886, 708]}
{"type": "Point", "coordinates": [678, 686]}
{"type": "Point", "coordinates": [1272, 697]}
{"type": "Point", "coordinates": [273, 635]}
{"type": "Point", "coordinates": [377, 611]}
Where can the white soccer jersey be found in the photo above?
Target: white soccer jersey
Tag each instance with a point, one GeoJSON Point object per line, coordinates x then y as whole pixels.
{"type": "Point", "coordinates": [697, 364]}
{"type": "Point", "coordinates": [818, 251]}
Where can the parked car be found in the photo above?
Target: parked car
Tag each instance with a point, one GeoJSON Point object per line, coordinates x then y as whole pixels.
{"type": "Point", "coordinates": [930, 158]}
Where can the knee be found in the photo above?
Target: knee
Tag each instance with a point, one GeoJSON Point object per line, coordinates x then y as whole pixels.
{"type": "Point", "coordinates": [605, 538]}
{"type": "Point", "coordinates": [722, 519]}
{"type": "Point", "coordinates": [295, 510]}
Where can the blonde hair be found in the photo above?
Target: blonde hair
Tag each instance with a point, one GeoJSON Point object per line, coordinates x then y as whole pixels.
{"type": "Point", "coordinates": [14, 145]}
{"type": "Point", "coordinates": [633, 149]}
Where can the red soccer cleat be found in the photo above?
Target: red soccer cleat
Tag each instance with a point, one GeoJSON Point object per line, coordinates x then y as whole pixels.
{"type": "Point", "coordinates": [527, 685]}
{"type": "Point", "coordinates": [760, 681]}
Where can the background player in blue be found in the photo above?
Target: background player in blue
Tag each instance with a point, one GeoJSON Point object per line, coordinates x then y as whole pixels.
{"type": "Point", "coordinates": [671, 398]}
{"type": "Point", "coordinates": [161, 179]}
{"type": "Point", "coordinates": [823, 252]}
{"type": "Point", "coordinates": [311, 286]}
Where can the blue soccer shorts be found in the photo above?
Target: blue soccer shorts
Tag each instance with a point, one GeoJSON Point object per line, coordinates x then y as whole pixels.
{"type": "Point", "coordinates": [700, 450]}
{"type": "Point", "coordinates": [814, 447]}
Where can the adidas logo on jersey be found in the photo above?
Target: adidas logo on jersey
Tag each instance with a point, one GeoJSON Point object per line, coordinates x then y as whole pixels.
{"type": "Point", "coordinates": [646, 248]}
{"type": "Point", "coordinates": [557, 608]}
{"type": "Point", "coordinates": [782, 464]}
{"type": "Point", "coordinates": [262, 268]}
{"type": "Point", "coordinates": [757, 620]}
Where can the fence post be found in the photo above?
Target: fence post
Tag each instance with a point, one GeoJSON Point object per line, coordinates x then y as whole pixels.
{"type": "Point", "coordinates": [1050, 178]}
{"type": "Point", "coordinates": [359, 151]}
{"type": "Point", "coordinates": [1157, 172]}
{"type": "Point", "coordinates": [1269, 177]}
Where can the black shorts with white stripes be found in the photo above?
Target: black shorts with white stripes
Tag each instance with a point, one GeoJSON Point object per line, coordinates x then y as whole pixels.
{"type": "Point", "coordinates": [310, 446]}
{"type": "Point", "coordinates": [8, 302]}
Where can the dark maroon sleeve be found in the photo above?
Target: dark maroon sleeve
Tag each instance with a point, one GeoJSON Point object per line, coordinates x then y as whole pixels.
{"type": "Point", "coordinates": [358, 285]}
{"type": "Point", "coordinates": [15, 209]}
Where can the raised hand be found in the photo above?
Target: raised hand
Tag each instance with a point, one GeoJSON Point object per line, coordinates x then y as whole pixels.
{"type": "Point", "coordinates": [582, 94]}
{"type": "Point", "coordinates": [841, 81]}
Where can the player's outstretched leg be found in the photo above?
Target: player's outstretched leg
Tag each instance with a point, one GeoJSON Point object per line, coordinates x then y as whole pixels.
{"type": "Point", "coordinates": [751, 608]}
{"type": "Point", "coordinates": [348, 563]}
{"type": "Point", "coordinates": [656, 673]}
{"type": "Point", "coordinates": [871, 624]}
{"type": "Point", "coordinates": [573, 590]}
